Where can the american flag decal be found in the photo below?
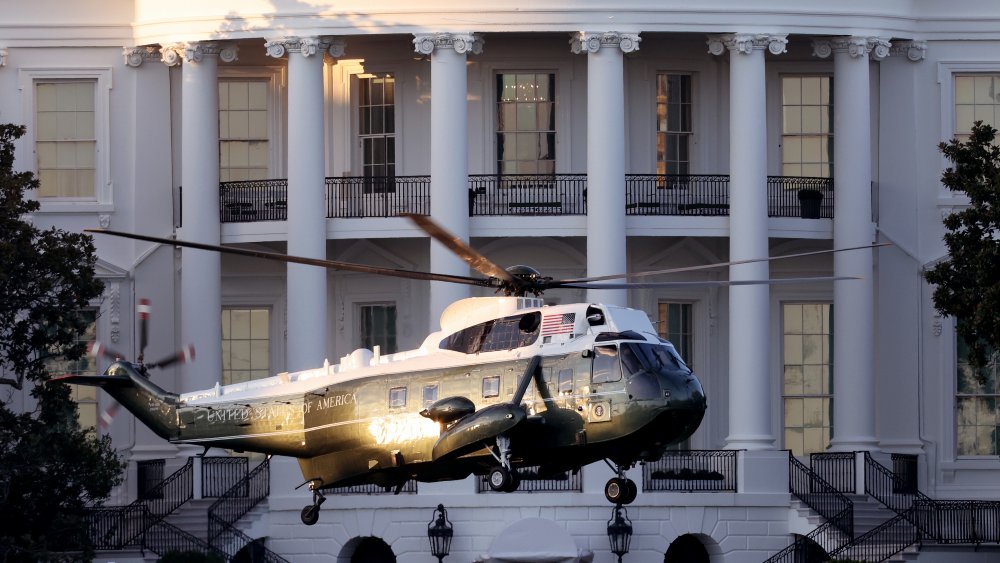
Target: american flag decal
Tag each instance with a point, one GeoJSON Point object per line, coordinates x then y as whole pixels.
{"type": "Point", "coordinates": [558, 324]}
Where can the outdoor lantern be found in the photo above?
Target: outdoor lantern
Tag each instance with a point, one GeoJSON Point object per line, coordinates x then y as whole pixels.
{"type": "Point", "coordinates": [619, 532]}
{"type": "Point", "coordinates": [439, 532]}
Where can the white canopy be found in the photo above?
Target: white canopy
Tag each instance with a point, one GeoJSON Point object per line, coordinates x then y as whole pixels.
{"type": "Point", "coordinates": [535, 540]}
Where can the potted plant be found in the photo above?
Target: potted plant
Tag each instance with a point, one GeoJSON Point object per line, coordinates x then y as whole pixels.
{"type": "Point", "coordinates": [809, 203]}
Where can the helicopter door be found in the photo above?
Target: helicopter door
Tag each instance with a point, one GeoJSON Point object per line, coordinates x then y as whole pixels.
{"type": "Point", "coordinates": [605, 377]}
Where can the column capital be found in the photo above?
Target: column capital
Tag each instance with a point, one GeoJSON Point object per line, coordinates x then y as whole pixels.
{"type": "Point", "coordinates": [3, 56]}
{"type": "Point", "coordinates": [195, 51]}
{"type": "Point", "coordinates": [746, 43]}
{"type": "Point", "coordinates": [592, 41]}
{"type": "Point", "coordinates": [427, 43]}
{"type": "Point", "coordinates": [853, 45]}
{"type": "Point", "coordinates": [306, 46]}
{"type": "Point", "coordinates": [135, 56]}
{"type": "Point", "coordinates": [914, 50]}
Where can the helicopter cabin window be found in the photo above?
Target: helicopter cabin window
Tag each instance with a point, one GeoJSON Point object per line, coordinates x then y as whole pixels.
{"type": "Point", "coordinates": [397, 397]}
{"type": "Point", "coordinates": [378, 326]}
{"type": "Point", "coordinates": [566, 382]}
{"type": "Point", "coordinates": [491, 386]}
{"type": "Point", "coordinates": [606, 367]}
{"type": "Point", "coordinates": [246, 344]}
{"type": "Point", "coordinates": [507, 333]}
{"type": "Point", "coordinates": [430, 394]}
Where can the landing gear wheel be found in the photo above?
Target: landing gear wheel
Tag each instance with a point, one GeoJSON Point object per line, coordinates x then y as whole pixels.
{"type": "Point", "coordinates": [310, 514]}
{"type": "Point", "coordinates": [515, 481]}
{"type": "Point", "coordinates": [631, 492]}
{"type": "Point", "coordinates": [616, 490]}
{"type": "Point", "coordinates": [499, 479]}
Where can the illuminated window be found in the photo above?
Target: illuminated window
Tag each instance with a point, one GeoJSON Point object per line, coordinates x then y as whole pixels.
{"type": "Point", "coordinates": [606, 366]}
{"type": "Point", "coordinates": [491, 386]}
{"type": "Point", "coordinates": [243, 130]}
{"type": "Point", "coordinates": [808, 388]}
{"type": "Point", "coordinates": [977, 98]}
{"type": "Point", "coordinates": [84, 395]}
{"type": "Point", "coordinates": [807, 126]}
{"type": "Point", "coordinates": [378, 327]}
{"type": "Point", "coordinates": [675, 325]}
{"type": "Point", "coordinates": [397, 397]}
{"type": "Point", "coordinates": [977, 406]}
{"type": "Point", "coordinates": [526, 123]}
{"type": "Point", "coordinates": [246, 344]}
{"type": "Point", "coordinates": [565, 382]}
{"type": "Point", "coordinates": [377, 131]}
{"type": "Point", "coordinates": [430, 394]}
{"type": "Point", "coordinates": [66, 138]}
{"type": "Point", "coordinates": [673, 123]}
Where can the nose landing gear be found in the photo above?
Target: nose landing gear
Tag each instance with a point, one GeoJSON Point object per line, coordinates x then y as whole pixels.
{"type": "Point", "coordinates": [620, 489]}
{"type": "Point", "coordinates": [310, 512]}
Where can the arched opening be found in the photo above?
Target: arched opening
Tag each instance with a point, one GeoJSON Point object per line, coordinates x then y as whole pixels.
{"type": "Point", "coordinates": [686, 549]}
{"type": "Point", "coordinates": [368, 549]}
{"type": "Point", "coordinates": [808, 550]}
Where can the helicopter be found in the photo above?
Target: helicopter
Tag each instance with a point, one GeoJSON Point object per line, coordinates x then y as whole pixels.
{"type": "Point", "coordinates": [507, 382]}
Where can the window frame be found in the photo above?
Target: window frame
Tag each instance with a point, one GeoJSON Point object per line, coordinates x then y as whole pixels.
{"type": "Point", "coordinates": [946, 72]}
{"type": "Point", "coordinates": [692, 113]}
{"type": "Point", "coordinates": [359, 309]}
{"type": "Point", "coordinates": [360, 138]}
{"type": "Point", "coordinates": [958, 395]}
{"type": "Point", "coordinates": [557, 102]}
{"type": "Point", "coordinates": [276, 80]}
{"type": "Point", "coordinates": [270, 340]}
{"type": "Point", "coordinates": [28, 77]}
{"type": "Point", "coordinates": [397, 397]}
{"type": "Point", "coordinates": [494, 383]}
{"type": "Point", "coordinates": [829, 395]}
{"type": "Point", "coordinates": [781, 121]}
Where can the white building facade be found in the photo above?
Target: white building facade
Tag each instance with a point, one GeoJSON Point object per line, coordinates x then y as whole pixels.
{"type": "Point", "coordinates": [582, 139]}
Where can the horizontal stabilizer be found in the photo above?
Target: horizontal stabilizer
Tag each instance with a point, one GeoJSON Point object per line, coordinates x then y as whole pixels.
{"type": "Point", "coordinates": [95, 380]}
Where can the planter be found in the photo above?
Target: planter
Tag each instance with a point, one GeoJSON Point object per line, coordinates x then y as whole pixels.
{"type": "Point", "coordinates": [809, 203]}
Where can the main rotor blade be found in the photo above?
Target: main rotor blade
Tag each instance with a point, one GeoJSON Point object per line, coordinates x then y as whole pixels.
{"type": "Point", "coordinates": [557, 283]}
{"type": "Point", "coordinates": [701, 283]}
{"type": "Point", "coordinates": [472, 257]}
{"type": "Point", "coordinates": [319, 262]}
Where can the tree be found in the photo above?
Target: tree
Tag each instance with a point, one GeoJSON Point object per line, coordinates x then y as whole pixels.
{"type": "Point", "coordinates": [968, 281]}
{"type": "Point", "coordinates": [51, 469]}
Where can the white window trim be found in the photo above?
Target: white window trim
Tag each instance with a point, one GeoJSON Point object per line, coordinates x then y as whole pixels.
{"type": "Point", "coordinates": [946, 71]}
{"type": "Point", "coordinates": [692, 138]}
{"type": "Point", "coordinates": [103, 201]}
{"type": "Point", "coordinates": [275, 77]}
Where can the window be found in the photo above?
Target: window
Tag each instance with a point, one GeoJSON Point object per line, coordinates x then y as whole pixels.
{"type": "Point", "coordinates": [378, 327]}
{"type": "Point", "coordinates": [526, 123]}
{"type": "Point", "coordinates": [675, 325]}
{"type": "Point", "coordinates": [66, 139]}
{"type": "Point", "coordinates": [491, 386]}
{"type": "Point", "coordinates": [606, 366]}
{"type": "Point", "coordinates": [977, 98]}
{"type": "Point", "coordinates": [673, 123]}
{"type": "Point", "coordinates": [977, 424]}
{"type": "Point", "coordinates": [377, 131]}
{"type": "Point", "coordinates": [807, 126]}
{"type": "Point", "coordinates": [243, 130]}
{"type": "Point", "coordinates": [246, 344]}
{"type": "Point", "coordinates": [808, 388]}
{"type": "Point", "coordinates": [397, 397]}
{"type": "Point", "coordinates": [84, 395]}
{"type": "Point", "coordinates": [507, 333]}
{"type": "Point", "coordinates": [430, 394]}
{"type": "Point", "coordinates": [565, 382]}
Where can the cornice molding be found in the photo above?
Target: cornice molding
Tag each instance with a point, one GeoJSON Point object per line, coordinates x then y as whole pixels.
{"type": "Point", "coordinates": [746, 43]}
{"type": "Point", "coordinates": [135, 56]}
{"type": "Point", "coordinates": [463, 43]}
{"type": "Point", "coordinates": [592, 42]}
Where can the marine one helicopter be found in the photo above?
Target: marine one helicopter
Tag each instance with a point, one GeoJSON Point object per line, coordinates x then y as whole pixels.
{"type": "Point", "coordinates": [507, 382]}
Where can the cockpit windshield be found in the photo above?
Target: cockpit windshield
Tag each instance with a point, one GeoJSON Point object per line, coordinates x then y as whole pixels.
{"type": "Point", "coordinates": [637, 357]}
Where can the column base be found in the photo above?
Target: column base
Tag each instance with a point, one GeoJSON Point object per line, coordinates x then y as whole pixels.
{"type": "Point", "coordinates": [750, 442]}
{"type": "Point", "coordinates": [854, 444]}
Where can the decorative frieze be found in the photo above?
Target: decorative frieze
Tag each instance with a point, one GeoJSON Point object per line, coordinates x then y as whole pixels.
{"type": "Point", "coordinates": [195, 51]}
{"type": "Point", "coordinates": [746, 43]}
{"type": "Point", "coordinates": [462, 43]}
{"type": "Point", "coordinates": [592, 42]}
{"type": "Point", "coordinates": [135, 56]}
{"type": "Point", "coordinates": [916, 51]}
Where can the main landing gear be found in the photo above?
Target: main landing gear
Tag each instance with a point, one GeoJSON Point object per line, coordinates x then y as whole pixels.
{"type": "Point", "coordinates": [310, 512]}
{"type": "Point", "coordinates": [503, 478]}
{"type": "Point", "coordinates": [620, 489]}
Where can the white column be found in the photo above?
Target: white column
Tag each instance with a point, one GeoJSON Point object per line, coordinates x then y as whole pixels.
{"type": "Point", "coordinates": [749, 306]}
{"type": "Point", "coordinates": [606, 253]}
{"type": "Point", "coordinates": [853, 300]}
{"type": "Point", "coordinates": [449, 156]}
{"type": "Point", "coordinates": [201, 271]}
{"type": "Point", "coordinates": [306, 291]}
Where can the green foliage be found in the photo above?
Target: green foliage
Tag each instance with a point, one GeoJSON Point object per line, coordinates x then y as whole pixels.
{"type": "Point", "coordinates": [50, 468]}
{"type": "Point", "coordinates": [968, 282]}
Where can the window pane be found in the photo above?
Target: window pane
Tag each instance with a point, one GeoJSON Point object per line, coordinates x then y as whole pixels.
{"type": "Point", "coordinates": [376, 125]}
{"type": "Point", "coordinates": [525, 124]}
{"type": "Point", "coordinates": [378, 327]}
{"type": "Point", "coordinates": [806, 126]}
{"type": "Point", "coordinates": [807, 388]}
{"type": "Point", "coordinates": [65, 138]}
{"type": "Point", "coordinates": [246, 344]}
{"type": "Point", "coordinates": [244, 149]}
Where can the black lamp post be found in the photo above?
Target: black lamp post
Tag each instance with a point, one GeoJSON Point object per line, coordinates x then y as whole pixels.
{"type": "Point", "coordinates": [439, 532]}
{"type": "Point", "coordinates": [619, 531]}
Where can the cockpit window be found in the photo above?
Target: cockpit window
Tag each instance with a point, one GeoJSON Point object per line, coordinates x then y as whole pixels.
{"type": "Point", "coordinates": [653, 357]}
{"type": "Point", "coordinates": [495, 334]}
{"type": "Point", "coordinates": [606, 367]}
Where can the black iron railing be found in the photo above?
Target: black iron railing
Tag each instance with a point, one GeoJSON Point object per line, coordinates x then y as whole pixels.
{"type": "Point", "coordinates": [409, 487]}
{"type": "Point", "coordinates": [882, 542]}
{"type": "Point", "coordinates": [253, 200]}
{"type": "Point", "coordinates": [533, 482]}
{"type": "Point", "coordinates": [691, 470]}
{"type": "Point", "coordinates": [163, 537]}
{"type": "Point", "coordinates": [888, 489]}
{"type": "Point", "coordinates": [381, 196]}
{"type": "Point", "coordinates": [904, 467]}
{"type": "Point", "coordinates": [527, 194]}
{"type": "Point", "coordinates": [959, 521]}
{"type": "Point", "coordinates": [793, 196]}
{"type": "Point", "coordinates": [821, 496]}
{"type": "Point", "coordinates": [836, 468]}
{"type": "Point", "coordinates": [676, 194]}
{"type": "Point", "coordinates": [819, 543]}
{"type": "Point", "coordinates": [149, 474]}
{"type": "Point", "coordinates": [239, 499]}
{"type": "Point", "coordinates": [219, 474]}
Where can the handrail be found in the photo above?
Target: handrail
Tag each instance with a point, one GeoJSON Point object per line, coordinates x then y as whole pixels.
{"type": "Point", "coordinates": [691, 470]}
{"type": "Point", "coordinates": [527, 194]}
{"type": "Point", "coordinates": [162, 537]}
{"type": "Point", "coordinates": [220, 473]}
{"type": "Point", "coordinates": [892, 492]}
{"type": "Point", "coordinates": [883, 541]}
{"type": "Point", "coordinates": [233, 505]}
{"type": "Point", "coordinates": [819, 495]}
{"type": "Point", "coordinates": [827, 536]}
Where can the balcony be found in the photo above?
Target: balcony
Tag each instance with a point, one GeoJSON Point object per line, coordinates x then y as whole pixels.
{"type": "Point", "coordinates": [526, 195]}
